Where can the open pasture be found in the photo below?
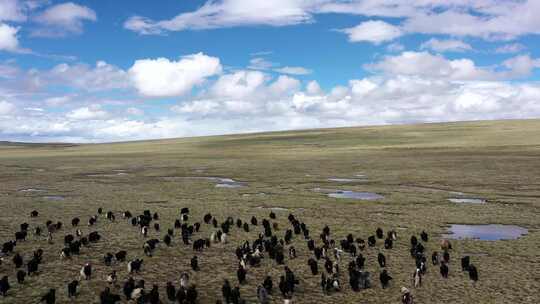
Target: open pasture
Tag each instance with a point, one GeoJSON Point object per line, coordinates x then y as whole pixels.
{"type": "Point", "coordinates": [415, 168]}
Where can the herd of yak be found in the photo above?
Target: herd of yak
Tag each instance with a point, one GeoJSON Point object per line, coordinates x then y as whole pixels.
{"type": "Point", "coordinates": [268, 245]}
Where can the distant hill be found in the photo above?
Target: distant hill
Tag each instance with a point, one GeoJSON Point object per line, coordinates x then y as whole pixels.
{"type": "Point", "coordinates": [16, 144]}
{"type": "Point", "coordinates": [471, 134]}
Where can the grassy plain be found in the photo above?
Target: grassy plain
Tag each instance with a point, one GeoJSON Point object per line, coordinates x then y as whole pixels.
{"type": "Point", "coordinates": [414, 166]}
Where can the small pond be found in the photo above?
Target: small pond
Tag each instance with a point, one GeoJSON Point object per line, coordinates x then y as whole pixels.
{"type": "Point", "coordinates": [221, 182]}
{"type": "Point", "coordinates": [463, 200]}
{"type": "Point", "coordinates": [368, 196]}
{"type": "Point", "coordinates": [32, 190]}
{"type": "Point", "coordinates": [53, 198]}
{"type": "Point", "coordinates": [108, 174]}
{"type": "Point", "coordinates": [273, 208]}
{"type": "Point", "coordinates": [346, 180]}
{"type": "Point", "coordinates": [491, 232]}
{"type": "Point", "coordinates": [230, 185]}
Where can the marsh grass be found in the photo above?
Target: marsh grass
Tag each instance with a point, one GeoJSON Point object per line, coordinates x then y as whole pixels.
{"type": "Point", "coordinates": [413, 167]}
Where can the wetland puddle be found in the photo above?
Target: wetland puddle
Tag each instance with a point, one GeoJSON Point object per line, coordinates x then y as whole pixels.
{"type": "Point", "coordinates": [108, 174]}
{"type": "Point", "coordinates": [345, 180]}
{"type": "Point", "coordinates": [32, 190]}
{"type": "Point", "coordinates": [367, 196]}
{"type": "Point", "coordinates": [491, 232]}
{"type": "Point", "coordinates": [53, 198]}
{"type": "Point", "coordinates": [273, 208]}
{"type": "Point", "coordinates": [229, 183]}
{"type": "Point", "coordinates": [255, 194]}
{"type": "Point", "coordinates": [463, 200]}
{"type": "Point", "coordinates": [42, 196]}
{"type": "Point", "coordinates": [356, 195]}
{"type": "Point", "coordinates": [432, 189]}
{"type": "Point", "coordinates": [357, 178]}
{"type": "Point", "coordinates": [221, 182]}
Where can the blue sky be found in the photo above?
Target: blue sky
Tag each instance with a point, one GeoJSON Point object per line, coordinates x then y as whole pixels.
{"type": "Point", "coordinates": [95, 71]}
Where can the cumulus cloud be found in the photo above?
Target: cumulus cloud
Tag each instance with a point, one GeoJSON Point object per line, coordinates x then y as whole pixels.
{"type": "Point", "coordinates": [373, 31]}
{"type": "Point", "coordinates": [242, 93]}
{"type": "Point", "coordinates": [446, 45]}
{"type": "Point", "coordinates": [284, 84]}
{"type": "Point", "coordinates": [487, 19]}
{"type": "Point", "coordinates": [6, 107]}
{"type": "Point", "coordinates": [12, 10]}
{"type": "Point", "coordinates": [427, 65]}
{"type": "Point", "coordinates": [367, 101]}
{"type": "Point", "coordinates": [63, 19]}
{"type": "Point", "coordinates": [87, 113]}
{"type": "Point", "coordinates": [162, 78]}
{"type": "Point", "coordinates": [313, 88]}
{"type": "Point", "coordinates": [362, 87]}
{"type": "Point", "coordinates": [202, 107]}
{"type": "Point", "coordinates": [490, 20]}
{"type": "Point", "coordinates": [238, 84]}
{"type": "Point", "coordinates": [405, 88]}
{"type": "Point", "coordinates": [102, 76]}
{"type": "Point", "coordinates": [8, 38]}
{"type": "Point", "coordinates": [521, 65]}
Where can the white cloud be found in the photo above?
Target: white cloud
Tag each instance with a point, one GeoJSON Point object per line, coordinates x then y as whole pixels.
{"type": "Point", "coordinates": [409, 87]}
{"type": "Point", "coordinates": [6, 107]}
{"type": "Point", "coordinates": [373, 31]}
{"type": "Point", "coordinates": [33, 109]}
{"type": "Point", "coordinates": [427, 65]}
{"type": "Point", "coordinates": [8, 38]}
{"type": "Point", "coordinates": [367, 101]}
{"type": "Point", "coordinates": [161, 77]}
{"type": "Point", "coordinates": [395, 47]}
{"type": "Point", "coordinates": [200, 107]}
{"type": "Point", "coordinates": [446, 45]}
{"type": "Point", "coordinates": [87, 113]}
{"type": "Point", "coordinates": [284, 84]}
{"type": "Point", "coordinates": [63, 19]}
{"type": "Point", "coordinates": [227, 13]}
{"type": "Point", "coordinates": [362, 87]}
{"type": "Point", "coordinates": [239, 84]}
{"type": "Point", "coordinates": [102, 76]}
{"type": "Point", "coordinates": [259, 63]}
{"type": "Point", "coordinates": [510, 48]}
{"type": "Point", "coordinates": [313, 88]}
{"type": "Point", "coordinates": [12, 10]}
{"type": "Point", "coordinates": [8, 71]}
{"type": "Point", "coordinates": [293, 70]}
{"type": "Point", "coordinates": [134, 111]}
{"type": "Point", "coordinates": [488, 19]}
{"type": "Point", "coordinates": [521, 65]}
{"type": "Point", "coordinates": [57, 100]}
{"type": "Point", "coordinates": [242, 93]}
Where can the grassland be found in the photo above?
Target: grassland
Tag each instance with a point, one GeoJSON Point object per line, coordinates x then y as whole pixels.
{"type": "Point", "coordinates": [413, 166]}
